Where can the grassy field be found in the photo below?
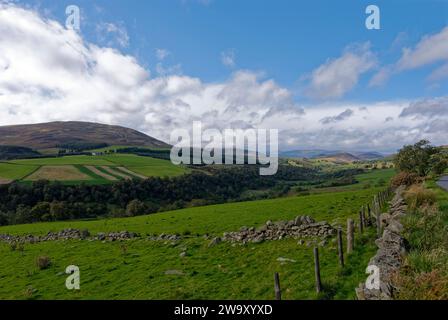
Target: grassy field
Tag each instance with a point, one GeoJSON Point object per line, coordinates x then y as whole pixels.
{"type": "Point", "coordinates": [70, 160]}
{"type": "Point", "coordinates": [142, 167]}
{"type": "Point", "coordinates": [15, 172]}
{"type": "Point", "coordinates": [137, 269]}
{"type": "Point", "coordinates": [370, 179]}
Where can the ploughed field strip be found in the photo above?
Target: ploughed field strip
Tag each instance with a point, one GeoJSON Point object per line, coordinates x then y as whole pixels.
{"type": "Point", "coordinates": [101, 173]}
{"type": "Point", "coordinates": [132, 173]}
{"type": "Point", "coordinates": [118, 173]}
{"type": "Point", "coordinates": [60, 173]}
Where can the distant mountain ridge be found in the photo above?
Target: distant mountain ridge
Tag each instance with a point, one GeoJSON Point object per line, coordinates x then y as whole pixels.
{"type": "Point", "coordinates": [53, 134]}
{"type": "Point", "coordinates": [337, 154]}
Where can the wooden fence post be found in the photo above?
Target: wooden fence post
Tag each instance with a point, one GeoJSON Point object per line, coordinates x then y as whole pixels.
{"type": "Point", "coordinates": [317, 270]}
{"type": "Point", "coordinates": [365, 220]}
{"type": "Point", "coordinates": [278, 291]}
{"type": "Point", "coordinates": [361, 223]}
{"type": "Point", "coordinates": [350, 235]}
{"type": "Point", "coordinates": [340, 248]}
{"type": "Point", "coordinates": [369, 212]}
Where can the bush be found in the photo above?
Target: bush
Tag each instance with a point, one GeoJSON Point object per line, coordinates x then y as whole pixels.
{"type": "Point", "coordinates": [43, 262]}
{"type": "Point", "coordinates": [405, 178]}
{"type": "Point", "coordinates": [416, 158]}
{"type": "Point", "coordinates": [417, 196]}
{"type": "Point", "coordinates": [439, 163]}
{"type": "Point", "coordinates": [135, 208]}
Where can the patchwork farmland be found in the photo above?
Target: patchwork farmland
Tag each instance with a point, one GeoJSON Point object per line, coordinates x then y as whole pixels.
{"type": "Point", "coordinates": [102, 169]}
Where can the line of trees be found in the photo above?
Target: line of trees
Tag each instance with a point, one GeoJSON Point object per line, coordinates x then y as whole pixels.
{"type": "Point", "coordinates": [52, 201]}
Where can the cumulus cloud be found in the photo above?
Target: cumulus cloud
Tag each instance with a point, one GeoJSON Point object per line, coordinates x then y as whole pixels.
{"type": "Point", "coordinates": [338, 76]}
{"type": "Point", "coordinates": [53, 74]}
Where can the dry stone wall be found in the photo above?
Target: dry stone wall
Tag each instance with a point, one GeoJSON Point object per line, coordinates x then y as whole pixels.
{"type": "Point", "coordinates": [391, 249]}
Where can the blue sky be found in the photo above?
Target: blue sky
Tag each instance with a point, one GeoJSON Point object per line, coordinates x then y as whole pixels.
{"type": "Point", "coordinates": [284, 39]}
{"type": "Point", "coordinates": [308, 68]}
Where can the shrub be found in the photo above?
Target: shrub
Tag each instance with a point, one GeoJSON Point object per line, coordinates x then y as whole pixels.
{"type": "Point", "coordinates": [405, 178]}
{"type": "Point", "coordinates": [43, 262]}
{"type": "Point", "coordinates": [417, 196]}
{"type": "Point", "coordinates": [135, 208]}
{"type": "Point", "coordinates": [439, 163]}
{"type": "Point", "coordinates": [424, 274]}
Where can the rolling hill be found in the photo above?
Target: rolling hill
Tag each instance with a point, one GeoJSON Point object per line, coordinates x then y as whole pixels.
{"type": "Point", "coordinates": [340, 156]}
{"type": "Point", "coordinates": [53, 134]}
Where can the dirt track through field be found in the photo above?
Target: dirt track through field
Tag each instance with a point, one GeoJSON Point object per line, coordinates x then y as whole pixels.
{"type": "Point", "coordinates": [132, 173]}
{"type": "Point", "coordinates": [101, 173]}
{"type": "Point", "coordinates": [5, 181]}
{"type": "Point", "coordinates": [116, 173]}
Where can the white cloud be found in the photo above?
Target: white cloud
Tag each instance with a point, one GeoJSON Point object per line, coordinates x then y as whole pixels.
{"type": "Point", "coordinates": [228, 58]}
{"type": "Point", "coordinates": [439, 73]}
{"type": "Point", "coordinates": [53, 74]}
{"type": "Point", "coordinates": [338, 76]}
{"type": "Point", "coordinates": [434, 107]}
{"type": "Point", "coordinates": [429, 50]}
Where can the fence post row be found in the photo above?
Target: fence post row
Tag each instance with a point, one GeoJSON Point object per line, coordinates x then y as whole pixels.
{"type": "Point", "coordinates": [366, 214]}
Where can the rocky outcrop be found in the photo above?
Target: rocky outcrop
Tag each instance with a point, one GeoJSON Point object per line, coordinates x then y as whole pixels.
{"type": "Point", "coordinates": [300, 227]}
{"type": "Point", "coordinates": [391, 249]}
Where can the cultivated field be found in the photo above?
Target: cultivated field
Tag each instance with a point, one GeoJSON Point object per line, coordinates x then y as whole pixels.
{"type": "Point", "coordinates": [59, 173]}
{"type": "Point", "coordinates": [145, 269]}
{"type": "Point", "coordinates": [88, 169]}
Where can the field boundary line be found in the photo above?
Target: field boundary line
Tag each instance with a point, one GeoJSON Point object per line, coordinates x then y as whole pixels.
{"type": "Point", "coordinates": [101, 173]}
